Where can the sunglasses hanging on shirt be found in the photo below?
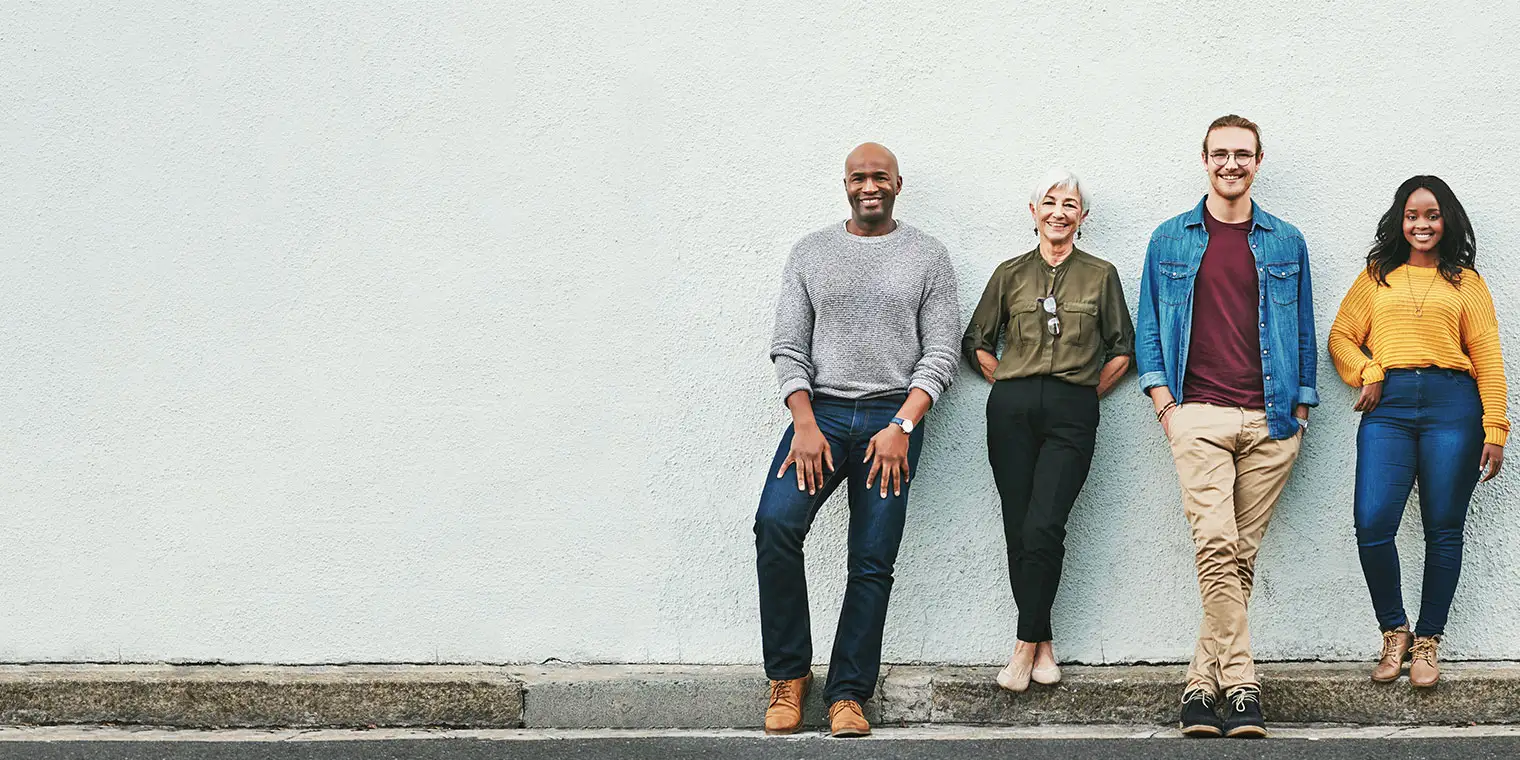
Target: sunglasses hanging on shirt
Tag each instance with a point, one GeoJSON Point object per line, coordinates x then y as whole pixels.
{"type": "Point", "coordinates": [1048, 303]}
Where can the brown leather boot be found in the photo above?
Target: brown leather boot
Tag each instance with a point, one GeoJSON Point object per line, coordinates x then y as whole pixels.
{"type": "Point", "coordinates": [1423, 671]}
{"type": "Point", "coordinates": [784, 716]}
{"type": "Point", "coordinates": [846, 719]}
{"type": "Point", "coordinates": [1395, 651]}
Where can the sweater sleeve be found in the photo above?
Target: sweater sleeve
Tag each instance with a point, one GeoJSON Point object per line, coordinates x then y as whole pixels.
{"type": "Point", "coordinates": [792, 344]}
{"type": "Point", "coordinates": [1348, 334]}
{"type": "Point", "coordinates": [1480, 339]}
{"type": "Point", "coordinates": [939, 324]}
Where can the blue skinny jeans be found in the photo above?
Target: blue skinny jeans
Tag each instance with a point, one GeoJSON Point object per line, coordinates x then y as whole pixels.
{"type": "Point", "coordinates": [1428, 428]}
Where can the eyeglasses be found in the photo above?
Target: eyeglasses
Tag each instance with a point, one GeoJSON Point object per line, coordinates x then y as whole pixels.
{"type": "Point", "coordinates": [1052, 325]}
{"type": "Point", "coordinates": [1242, 158]}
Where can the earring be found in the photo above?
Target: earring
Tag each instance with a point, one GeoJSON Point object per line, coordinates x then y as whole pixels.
{"type": "Point", "coordinates": [1079, 233]}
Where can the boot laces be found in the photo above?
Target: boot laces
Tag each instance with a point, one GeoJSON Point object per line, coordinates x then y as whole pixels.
{"type": "Point", "coordinates": [1243, 696]}
{"type": "Point", "coordinates": [1391, 641]}
{"type": "Point", "coordinates": [1424, 648]}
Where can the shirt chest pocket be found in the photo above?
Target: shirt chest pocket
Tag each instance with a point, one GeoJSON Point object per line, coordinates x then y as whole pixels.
{"type": "Point", "coordinates": [1079, 323]}
{"type": "Point", "coordinates": [1282, 283]}
{"type": "Point", "coordinates": [1024, 325]}
{"type": "Point", "coordinates": [1175, 282]}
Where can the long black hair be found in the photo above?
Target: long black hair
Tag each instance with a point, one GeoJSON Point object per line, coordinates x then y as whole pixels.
{"type": "Point", "coordinates": [1458, 248]}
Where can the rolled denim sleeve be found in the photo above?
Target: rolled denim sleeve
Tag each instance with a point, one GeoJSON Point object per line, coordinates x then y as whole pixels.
{"type": "Point", "coordinates": [1148, 358]}
{"type": "Point", "coordinates": [1308, 344]}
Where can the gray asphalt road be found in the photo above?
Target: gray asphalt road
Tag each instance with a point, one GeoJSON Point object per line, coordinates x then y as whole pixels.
{"type": "Point", "coordinates": [671, 748]}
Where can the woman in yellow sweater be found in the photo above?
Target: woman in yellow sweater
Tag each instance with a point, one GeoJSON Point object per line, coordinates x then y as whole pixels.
{"type": "Point", "coordinates": [1418, 334]}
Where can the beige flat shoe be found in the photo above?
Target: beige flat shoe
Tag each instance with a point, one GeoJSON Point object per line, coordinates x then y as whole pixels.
{"type": "Point", "coordinates": [1048, 676]}
{"type": "Point", "coordinates": [1013, 677]}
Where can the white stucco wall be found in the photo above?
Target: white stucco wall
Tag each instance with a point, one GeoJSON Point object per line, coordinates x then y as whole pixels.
{"type": "Point", "coordinates": [346, 331]}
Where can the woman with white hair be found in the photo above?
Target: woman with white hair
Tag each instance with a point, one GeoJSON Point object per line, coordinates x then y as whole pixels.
{"type": "Point", "coordinates": [1066, 339]}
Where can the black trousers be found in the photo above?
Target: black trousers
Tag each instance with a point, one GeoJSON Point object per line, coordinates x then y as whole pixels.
{"type": "Point", "coordinates": [1040, 437]}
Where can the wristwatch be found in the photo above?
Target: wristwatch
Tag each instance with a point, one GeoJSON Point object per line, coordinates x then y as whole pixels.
{"type": "Point", "coordinates": [906, 425]}
{"type": "Point", "coordinates": [1302, 423]}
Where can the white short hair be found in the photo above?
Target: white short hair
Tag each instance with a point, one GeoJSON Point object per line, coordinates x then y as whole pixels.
{"type": "Point", "coordinates": [1063, 179]}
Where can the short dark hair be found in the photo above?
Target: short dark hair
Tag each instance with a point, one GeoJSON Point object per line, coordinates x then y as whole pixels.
{"type": "Point", "coordinates": [1231, 120]}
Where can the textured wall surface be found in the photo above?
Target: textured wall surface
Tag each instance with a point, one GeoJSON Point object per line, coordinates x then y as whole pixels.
{"type": "Point", "coordinates": [397, 331]}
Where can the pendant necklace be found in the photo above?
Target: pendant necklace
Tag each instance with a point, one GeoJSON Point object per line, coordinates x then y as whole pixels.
{"type": "Point", "coordinates": [1419, 309]}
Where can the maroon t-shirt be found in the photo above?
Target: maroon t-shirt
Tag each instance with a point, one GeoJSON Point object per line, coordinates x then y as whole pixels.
{"type": "Point", "coordinates": [1224, 357]}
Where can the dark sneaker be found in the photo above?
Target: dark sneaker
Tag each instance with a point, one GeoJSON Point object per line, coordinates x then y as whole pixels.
{"type": "Point", "coordinates": [1198, 718]}
{"type": "Point", "coordinates": [1242, 713]}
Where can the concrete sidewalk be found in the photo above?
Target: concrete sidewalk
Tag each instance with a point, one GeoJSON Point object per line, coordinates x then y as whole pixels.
{"type": "Point", "coordinates": [695, 696]}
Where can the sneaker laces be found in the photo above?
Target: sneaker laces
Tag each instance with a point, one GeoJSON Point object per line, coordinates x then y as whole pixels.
{"type": "Point", "coordinates": [1424, 648]}
{"type": "Point", "coordinates": [1240, 697]}
{"type": "Point", "coordinates": [1199, 694]}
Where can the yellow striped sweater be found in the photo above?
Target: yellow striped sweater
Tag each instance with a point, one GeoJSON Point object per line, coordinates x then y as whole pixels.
{"type": "Point", "coordinates": [1455, 328]}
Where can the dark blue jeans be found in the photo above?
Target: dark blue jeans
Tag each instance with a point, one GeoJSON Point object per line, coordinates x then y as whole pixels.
{"type": "Point", "coordinates": [1427, 428]}
{"type": "Point", "coordinates": [876, 528]}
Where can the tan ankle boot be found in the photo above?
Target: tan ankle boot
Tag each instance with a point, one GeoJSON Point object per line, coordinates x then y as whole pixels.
{"type": "Point", "coordinates": [1395, 651]}
{"type": "Point", "coordinates": [1423, 670]}
{"type": "Point", "coordinates": [846, 719]}
{"type": "Point", "coordinates": [784, 716]}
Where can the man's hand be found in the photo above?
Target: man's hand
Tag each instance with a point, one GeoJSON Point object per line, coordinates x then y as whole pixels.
{"type": "Point", "coordinates": [987, 363]}
{"type": "Point", "coordinates": [810, 452]}
{"type": "Point", "coordinates": [1493, 460]}
{"type": "Point", "coordinates": [1372, 393]}
{"type": "Point", "coordinates": [1302, 413]}
{"type": "Point", "coordinates": [890, 447]}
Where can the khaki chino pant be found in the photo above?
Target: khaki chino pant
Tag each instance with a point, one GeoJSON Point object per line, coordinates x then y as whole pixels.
{"type": "Point", "coordinates": [1232, 474]}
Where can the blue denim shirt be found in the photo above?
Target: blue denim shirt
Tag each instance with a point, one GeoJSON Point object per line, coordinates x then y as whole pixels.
{"type": "Point", "coordinates": [1164, 326]}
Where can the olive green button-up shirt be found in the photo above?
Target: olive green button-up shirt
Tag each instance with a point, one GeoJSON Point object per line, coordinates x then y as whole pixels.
{"type": "Point", "coordinates": [1095, 325]}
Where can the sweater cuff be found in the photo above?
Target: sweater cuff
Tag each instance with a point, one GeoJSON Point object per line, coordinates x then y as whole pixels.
{"type": "Point", "coordinates": [793, 385]}
{"type": "Point", "coordinates": [1495, 435]}
{"type": "Point", "coordinates": [929, 388]}
{"type": "Point", "coordinates": [1372, 373]}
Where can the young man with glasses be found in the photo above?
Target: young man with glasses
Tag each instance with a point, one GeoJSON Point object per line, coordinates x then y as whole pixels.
{"type": "Point", "coordinates": [866, 331]}
{"type": "Point", "coordinates": [1226, 351]}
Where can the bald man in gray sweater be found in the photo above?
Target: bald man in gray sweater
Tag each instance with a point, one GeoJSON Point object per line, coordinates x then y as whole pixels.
{"type": "Point", "coordinates": [867, 334]}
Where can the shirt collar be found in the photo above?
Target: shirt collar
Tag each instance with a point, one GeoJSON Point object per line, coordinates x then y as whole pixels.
{"type": "Point", "coordinates": [1259, 218]}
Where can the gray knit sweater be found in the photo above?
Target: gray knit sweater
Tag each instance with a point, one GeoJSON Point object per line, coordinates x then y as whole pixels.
{"type": "Point", "coordinates": [863, 317]}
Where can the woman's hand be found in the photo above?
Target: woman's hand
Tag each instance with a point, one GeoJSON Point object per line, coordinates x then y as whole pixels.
{"type": "Point", "coordinates": [1493, 460]}
{"type": "Point", "coordinates": [987, 363]}
{"type": "Point", "coordinates": [1372, 393]}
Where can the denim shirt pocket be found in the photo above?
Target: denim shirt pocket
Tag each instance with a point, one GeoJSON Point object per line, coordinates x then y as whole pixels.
{"type": "Point", "coordinates": [1175, 281]}
{"type": "Point", "coordinates": [1282, 283]}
